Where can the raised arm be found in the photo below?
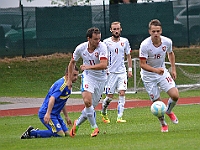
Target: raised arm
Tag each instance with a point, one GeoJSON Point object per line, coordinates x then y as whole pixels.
{"type": "Point", "coordinates": [71, 67]}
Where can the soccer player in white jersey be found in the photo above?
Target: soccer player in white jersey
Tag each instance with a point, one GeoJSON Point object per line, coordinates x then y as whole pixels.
{"type": "Point", "coordinates": [154, 74]}
{"type": "Point", "coordinates": [94, 55]}
{"type": "Point", "coordinates": [117, 76]}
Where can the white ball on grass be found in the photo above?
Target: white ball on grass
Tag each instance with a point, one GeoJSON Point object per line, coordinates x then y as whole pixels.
{"type": "Point", "coordinates": [158, 108]}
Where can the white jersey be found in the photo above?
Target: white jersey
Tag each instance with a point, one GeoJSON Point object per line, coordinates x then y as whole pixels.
{"type": "Point", "coordinates": [91, 59]}
{"type": "Point", "coordinates": [155, 56]}
{"type": "Point", "coordinates": [116, 51]}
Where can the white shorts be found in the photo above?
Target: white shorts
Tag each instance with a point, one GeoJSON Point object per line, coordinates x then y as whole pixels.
{"type": "Point", "coordinates": [154, 87]}
{"type": "Point", "coordinates": [116, 81]}
{"type": "Point", "coordinates": [95, 87]}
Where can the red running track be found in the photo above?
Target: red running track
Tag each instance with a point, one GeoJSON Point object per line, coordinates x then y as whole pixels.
{"type": "Point", "coordinates": [113, 105]}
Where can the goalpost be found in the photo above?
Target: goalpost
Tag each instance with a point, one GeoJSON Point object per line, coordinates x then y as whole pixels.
{"type": "Point", "coordinates": [187, 79]}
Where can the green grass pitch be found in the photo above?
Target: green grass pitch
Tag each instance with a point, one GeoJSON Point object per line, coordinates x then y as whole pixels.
{"type": "Point", "coordinates": [140, 132]}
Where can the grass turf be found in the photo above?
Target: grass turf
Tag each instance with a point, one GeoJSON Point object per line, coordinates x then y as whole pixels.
{"type": "Point", "coordinates": [32, 76]}
{"type": "Point", "coordinates": [141, 132]}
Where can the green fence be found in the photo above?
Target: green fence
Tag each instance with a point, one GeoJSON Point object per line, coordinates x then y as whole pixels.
{"type": "Point", "coordinates": [60, 29]}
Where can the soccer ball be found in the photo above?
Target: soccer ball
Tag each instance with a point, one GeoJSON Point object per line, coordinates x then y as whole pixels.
{"type": "Point", "coordinates": [158, 108]}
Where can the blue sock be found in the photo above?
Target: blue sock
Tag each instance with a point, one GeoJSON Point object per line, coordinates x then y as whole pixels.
{"type": "Point", "coordinates": [42, 133]}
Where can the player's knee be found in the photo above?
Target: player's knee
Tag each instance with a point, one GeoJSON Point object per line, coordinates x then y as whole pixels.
{"type": "Point", "coordinates": [121, 93]}
{"type": "Point", "coordinates": [175, 97]}
{"type": "Point", "coordinates": [89, 115]}
{"type": "Point", "coordinates": [174, 94]}
{"type": "Point", "coordinates": [88, 103]}
{"type": "Point", "coordinates": [61, 133]}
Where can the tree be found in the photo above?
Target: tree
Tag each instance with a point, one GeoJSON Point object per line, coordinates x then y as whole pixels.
{"type": "Point", "coordinates": [68, 2]}
{"type": "Point", "coordinates": [121, 1]}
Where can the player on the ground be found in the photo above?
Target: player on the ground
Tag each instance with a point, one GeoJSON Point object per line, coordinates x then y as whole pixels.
{"type": "Point", "coordinates": [154, 74]}
{"type": "Point", "coordinates": [117, 76]}
{"type": "Point", "coordinates": [54, 103]}
{"type": "Point", "coordinates": [94, 55]}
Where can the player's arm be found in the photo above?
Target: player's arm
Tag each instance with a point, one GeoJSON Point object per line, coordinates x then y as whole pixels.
{"type": "Point", "coordinates": [69, 122]}
{"type": "Point", "coordinates": [129, 65]}
{"type": "Point", "coordinates": [71, 67]}
{"type": "Point", "coordinates": [147, 67]}
{"type": "Point", "coordinates": [102, 65]}
{"type": "Point", "coordinates": [171, 58]}
{"type": "Point", "coordinates": [49, 109]}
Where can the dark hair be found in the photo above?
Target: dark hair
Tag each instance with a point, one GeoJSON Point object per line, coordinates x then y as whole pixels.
{"type": "Point", "coordinates": [154, 22]}
{"type": "Point", "coordinates": [75, 68]}
{"type": "Point", "coordinates": [92, 30]}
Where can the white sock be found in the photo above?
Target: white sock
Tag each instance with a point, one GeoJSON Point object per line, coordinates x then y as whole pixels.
{"type": "Point", "coordinates": [120, 107]}
{"type": "Point", "coordinates": [90, 113]}
{"type": "Point", "coordinates": [105, 104]}
{"type": "Point", "coordinates": [170, 105]}
{"type": "Point", "coordinates": [162, 121]}
{"type": "Point", "coordinates": [82, 118]}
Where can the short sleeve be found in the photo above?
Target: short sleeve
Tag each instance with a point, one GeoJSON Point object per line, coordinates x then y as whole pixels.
{"type": "Point", "coordinates": [127, 47]}
{"type": "Point", "coordinates": [143, 51]}
{"type": "Point", "coordinates": [76, 54]}
{"type": "Point", "coordinates": [169, 48]}
{"type": "Point", "coordinates": [103, 51]}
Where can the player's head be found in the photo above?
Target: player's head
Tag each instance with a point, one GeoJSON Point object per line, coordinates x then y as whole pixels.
{"type": "Point", "coordinates": [155, 28]}
{"type": "Point", "coordinates": [115, 29]}
{"type": "Point", "coordinates": [74, 74]}
{"type": "Point", "coordinates": [93, 36]}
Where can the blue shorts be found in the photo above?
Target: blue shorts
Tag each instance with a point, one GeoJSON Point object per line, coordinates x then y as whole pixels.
{"type": "Point", "coordinates": [55, 124]}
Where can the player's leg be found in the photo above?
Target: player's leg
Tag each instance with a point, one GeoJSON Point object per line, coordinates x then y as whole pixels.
{"type": "Point", "coordinates": [121, 87]}
{"type": "Point", "coordinates": [91, 100]}
{"type": "Point", "coordinates": [154, 95]}
{"type": "Point", "coordinates": [168, 85]}
{"type": "Point", "coordinates": [174, 95]}
{"type": "Point", "coordinates": [53, 127]}
{"type": "Point", "coordinates": [120, 107]}
{"type": "Point", "coordinates": [26, 134]}
{"type": "Point", "coordinates": [110, 90]}
{"type": "Point", "coordinates": [105, 105]}
{"type": "Point", "coordinates": [88, 111]}
{"type": "Point", "coordinates": [78, 122]}
{"type": "Point", "coordinates": [96, 97]}
{"type": "Point", "coordinates": [65, 130]}
{"type": "Point", "coordinates": [82, 118]}
{"type": "Point", "coordinates": [164, 126]}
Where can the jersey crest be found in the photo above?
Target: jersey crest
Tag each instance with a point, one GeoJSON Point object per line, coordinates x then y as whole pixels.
{"type": "Point", "coordinates": [164, 48]}
{"type": "Point", "coordinates": [86, 85]}
{"type": "Point", "coordinates": [96, 54]}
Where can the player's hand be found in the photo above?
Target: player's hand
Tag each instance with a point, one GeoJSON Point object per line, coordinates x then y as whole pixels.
{"type": "Point", "coordinates": [173, 74]}
{"type": "Point", "coordinates": [130, 74]}
{"type": "Point", "coordinates": [46, 118]}
{"type": "Point", "coordinates": [69, 122]}
{"type": "Point", "coordinates": [84, 67]}
{"type": "Point", "coordinates": [160, 71]}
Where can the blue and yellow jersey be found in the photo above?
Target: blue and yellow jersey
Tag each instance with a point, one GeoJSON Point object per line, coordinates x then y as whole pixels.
{"type": "Point", "coordinates": [60, 91]}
